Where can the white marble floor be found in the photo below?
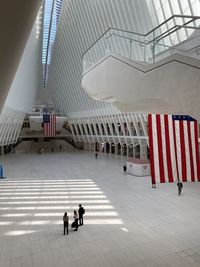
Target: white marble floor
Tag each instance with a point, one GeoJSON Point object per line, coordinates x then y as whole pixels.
{"type": "Point", "coordinates": [127, 223]}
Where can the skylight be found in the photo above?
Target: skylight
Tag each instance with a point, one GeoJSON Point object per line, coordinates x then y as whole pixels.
{"type": "Point", "coordinates": [52, 10]}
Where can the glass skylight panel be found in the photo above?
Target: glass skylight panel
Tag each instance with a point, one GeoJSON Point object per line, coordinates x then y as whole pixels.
{"type": "Point", "coordinates": [52, 10]}
{"type": "Point", "coordinates": [164, 9]}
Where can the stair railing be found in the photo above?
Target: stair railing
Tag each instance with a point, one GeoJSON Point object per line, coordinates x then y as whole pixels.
{"type": "Point", "coordinates": [177, 34]}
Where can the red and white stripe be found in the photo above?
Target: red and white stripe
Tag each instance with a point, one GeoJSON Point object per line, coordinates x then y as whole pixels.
{"type": "Point", "coordinates": [187, 153]}
{"type": "Point", "coordinates": [50, 128]}
{"type": "Point", "coordinates": [173, 149]}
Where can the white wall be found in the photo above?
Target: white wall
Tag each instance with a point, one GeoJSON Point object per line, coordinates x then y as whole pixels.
{"type": "Point", "coordinates": [16, 20]}
{"type": "Point", "coordinates": [169, 86]}
{"type": "Point", "coordinates": [23, 91]}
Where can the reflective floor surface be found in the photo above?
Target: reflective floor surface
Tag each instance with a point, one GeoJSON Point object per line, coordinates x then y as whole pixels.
{"type": "Point", "coordinates": [127, 223]}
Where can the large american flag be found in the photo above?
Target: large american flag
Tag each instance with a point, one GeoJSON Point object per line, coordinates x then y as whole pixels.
{"type": "Point", "coordinates": [49, 121]}
{"type": "Point", "coordinates": [173, 144]}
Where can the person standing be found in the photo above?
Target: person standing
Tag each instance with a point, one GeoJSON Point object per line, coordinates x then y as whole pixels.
{"type": "Point", "coordinates": [180, 186]}
{"type": "Point", "coordinates": [66, 222]}
{"type": "Point", "coordinates": [81, 211]}
{"type": "Point", "coordinates": [125, 169]}
{"type": "Point", "coordinates": [96, 156]}
{"type": "Point", "coordinates": [76, 220]}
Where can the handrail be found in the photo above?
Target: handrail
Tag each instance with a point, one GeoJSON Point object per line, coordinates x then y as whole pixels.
{"type": "Point", "coordinates": [128, 38]}
{"type": "Point", "coordinates": [175, 27]}
{"type": "Point", "coordinates": [97, 40]}
{"type": "Point", "coordinates": [174, 16]}
{"type": "Point", "coordinates": [153, 30]}
{"type": "Point", "coordinates": [178, 28]}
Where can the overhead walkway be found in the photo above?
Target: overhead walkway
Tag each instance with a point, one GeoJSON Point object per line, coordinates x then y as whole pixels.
{"type": "Point", "coordinates": [170, 85]}
{"type": "Point", "coordinates": [143, 74]}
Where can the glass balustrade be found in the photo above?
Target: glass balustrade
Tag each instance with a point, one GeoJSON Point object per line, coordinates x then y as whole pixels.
{"type": "Point", "coordinates": [178, 34]}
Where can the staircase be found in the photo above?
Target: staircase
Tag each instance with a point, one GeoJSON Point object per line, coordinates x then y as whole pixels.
{"type": "Point", "coordinates": [140, 73]}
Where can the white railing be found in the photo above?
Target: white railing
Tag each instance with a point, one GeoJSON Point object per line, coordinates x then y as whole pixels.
{"type": "Point", "coordinates": [167, 38]}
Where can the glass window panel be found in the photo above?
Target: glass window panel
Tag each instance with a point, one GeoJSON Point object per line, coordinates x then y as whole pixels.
{"type": "Point", "coordinates": [187, 11]}
{"type": "Point", "coordinates": [151, 7]}
{"type": "Point", "coordinates": [49, 31]}
{"type": "Point", "coordinates": [175, 7]}
{"type": "Point", "coordinates": [182, 34]}
{"type": "Point", "coordinates": [170, 24]}
{"type": "Point", "coordinates": [167, 10]}
{"type": "Point", "coordinates": [163, 1]}
{"type": "Point", "coordinates": [164, 28]}
{"type": "Point", "coordinates": [174, 38]}
{"type": "Point", "coordinates": [184, 4]}
{"type": "Point", "coordinates": [167, 41]}
{"type": "Point", "coordinates": [157, 4]}
{"type": "Point", "coordinates": [179, 20]}
{"type": "Point", "coordinates": [196, 8]}
{"type": "Point", "coordinates": [190, 32]}
{"type": "Point", "coordinates": [160, 15]}
{"type": "Point", "coordinates": [193, 1]}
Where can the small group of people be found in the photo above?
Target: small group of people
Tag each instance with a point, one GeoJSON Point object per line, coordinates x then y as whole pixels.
{"type": "Point", "coordinates": [40, 150]}
{"type": "Point", "coordinates": [78, 219]}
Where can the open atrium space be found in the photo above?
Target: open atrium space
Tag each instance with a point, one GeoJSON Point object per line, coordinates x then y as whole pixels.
{"type": "Point", "coordinates": [99, 133]}
{"type": "Point", "coordinates": [126, 222]}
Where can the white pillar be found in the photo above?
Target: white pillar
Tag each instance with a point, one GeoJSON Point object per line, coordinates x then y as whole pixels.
{"type": "Point", "coordinates": [133, 151]}
{"type": "Point", "coordinates": [116, 149]}
{"type": "Point", "coordinates": [143, 151]}
{"type": "Point", "coordinates": [122, 149]}
{"type": "Point", "coordinates": [2, 150]}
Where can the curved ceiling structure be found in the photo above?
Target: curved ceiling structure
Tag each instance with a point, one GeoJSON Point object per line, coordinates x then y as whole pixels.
{"type": "Point", "coordinates": [81, 23]}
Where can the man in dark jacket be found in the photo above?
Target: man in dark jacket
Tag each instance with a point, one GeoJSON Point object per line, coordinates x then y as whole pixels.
{"type": "Point", "coordinates": [125, 169]}
{"type": "Point", "coordinates": [81, 211]}
{"type": "Point", "coordinates": [180, 186]}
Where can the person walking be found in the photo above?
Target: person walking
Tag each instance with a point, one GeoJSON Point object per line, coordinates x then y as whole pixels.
{"type": "Point", "coordinates": [76, 220]}
{"type": "Point", "coordinates": [81, 211]}
{"type": "Point", "coordinates": [66, 222]}
{"type": "Point", "coordinates": [96, 156]}
{"type": "Point", "coordinates": [180, 186]}
{"type": "Point", "coordinates": [125, 169]}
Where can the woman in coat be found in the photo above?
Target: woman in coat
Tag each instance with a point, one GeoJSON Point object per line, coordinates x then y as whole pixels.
{"type": "Point", "coordinates": [76, 220]}
{"type": "Point", "coordinates": [65, 222]}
